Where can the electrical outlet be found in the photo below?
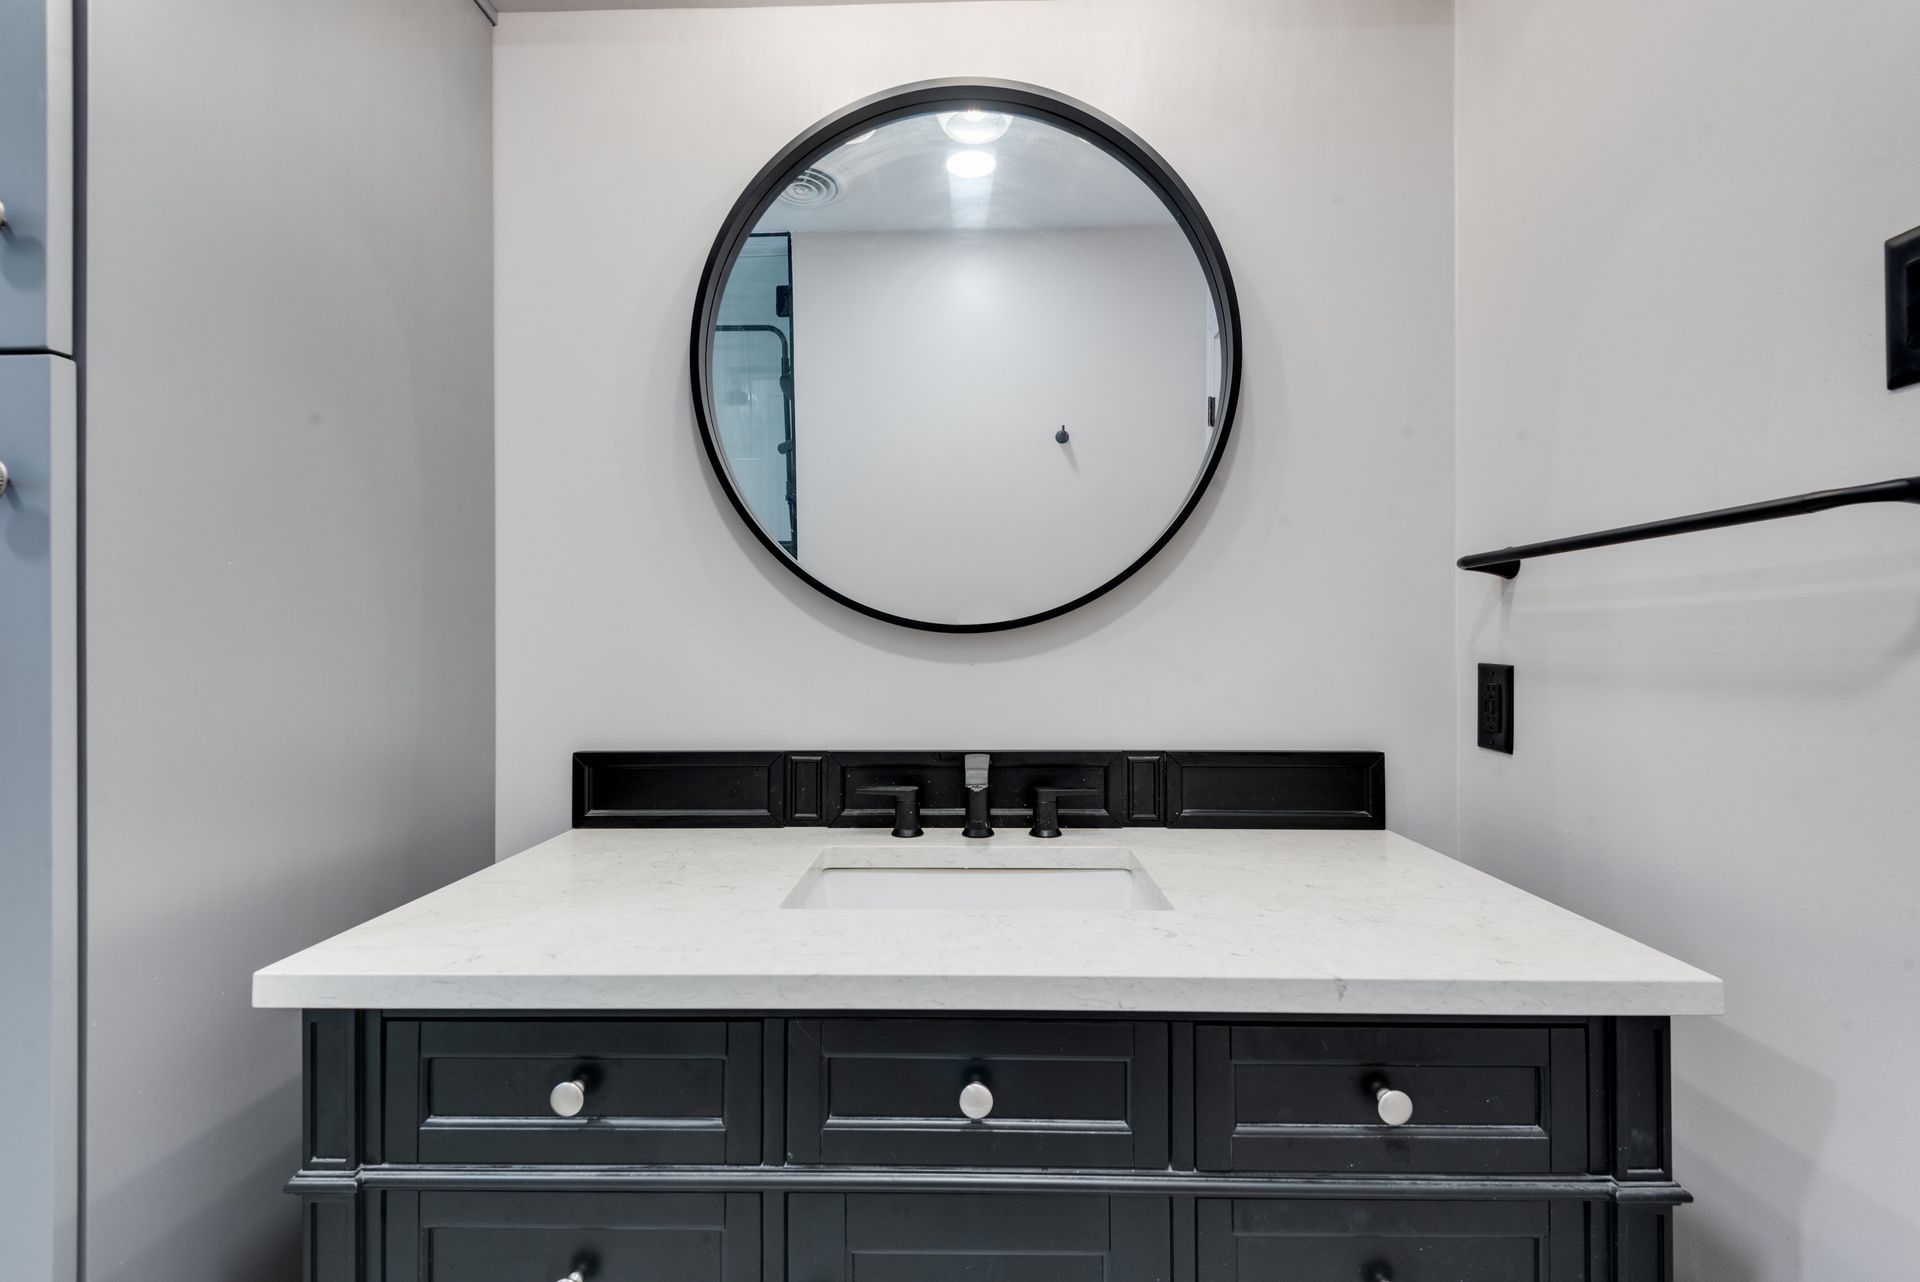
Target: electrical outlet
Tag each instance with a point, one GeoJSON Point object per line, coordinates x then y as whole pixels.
{"type": "Point", "coordinates": [1495, 706]}
{"type": "Point", "coordinates": [1903, 309]}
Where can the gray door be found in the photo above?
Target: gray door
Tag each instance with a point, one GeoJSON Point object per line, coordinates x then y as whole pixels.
{"type": "Point", "coordinates": [36, 176]}
{"type": "Point", "coordinates": [39, 647]}
{"type": "Point", "coordinates": [38, 813]}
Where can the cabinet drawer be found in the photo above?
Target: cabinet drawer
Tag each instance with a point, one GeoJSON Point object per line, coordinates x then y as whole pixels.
{"type": "Point", "coordinates": [886, 1092]}
{"type": "Point", "coordinates": [479, 1091]}
{"type": "Point", "coordinates": [978, 1237]}
{"type": "Point", "coordinates": [536, 1237]}
{"type": "Point", "coordinates": [1253, 1240]}
{"type": "Point", "coordinates": [1303, 1097]}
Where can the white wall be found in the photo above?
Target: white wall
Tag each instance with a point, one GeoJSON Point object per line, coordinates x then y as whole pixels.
{"type": "Point", "coordinates": [937, 371]}
{"type": "Point", "coordinates": [1305, 605]}
{"type": "Point", "coordinates": [289, 586]}
{"type": "Point", "coordinates": [1670, 226]}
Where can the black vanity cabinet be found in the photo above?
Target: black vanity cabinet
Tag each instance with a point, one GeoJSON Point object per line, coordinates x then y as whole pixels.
{"type": "Point", "coordinates": [558, 1147]}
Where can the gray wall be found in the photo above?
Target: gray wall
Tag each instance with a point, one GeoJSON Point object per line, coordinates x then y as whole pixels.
{"type": "Point", "coordinates": [1306, 604]}
{"type": "Point", "coordinates": [290, 565]}
{"type": "Point", "coordinates": [1670, 227]}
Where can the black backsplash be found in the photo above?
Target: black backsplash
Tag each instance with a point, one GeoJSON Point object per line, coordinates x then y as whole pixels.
{"type": "Point", "coordinates": [1133, 789]}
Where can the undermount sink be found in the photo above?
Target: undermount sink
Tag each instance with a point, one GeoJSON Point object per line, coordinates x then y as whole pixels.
{"type": "Point", "coordinates": [1090, 879]}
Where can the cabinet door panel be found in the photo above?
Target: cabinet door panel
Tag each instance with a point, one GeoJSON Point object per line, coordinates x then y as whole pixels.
{"type": "Point", "coordinates": [656, 1091]}
{"type": "Point", "coordinates": [517, 1237]}
{"type": "Point", "coordinates": [1065, 1093]}
{"type": "Point", "coordinates": [39, 724]}
{"type": "Point", "coordinates": [1491, 1099]}
{"type": "Point", "coordinates": [36, 176]}
{"type": "Point", "coordinates": [1275, 1240]}
{"type": "Point", "coordinates": [978, 1237]}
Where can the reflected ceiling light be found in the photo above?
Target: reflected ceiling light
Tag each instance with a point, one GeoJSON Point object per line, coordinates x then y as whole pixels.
{"type": "Point", "coordinates": [854, 142]}
{"type": "Point", "coordinates": [970, 164]}
{"type": "Point", "coordinates": [974, 126]}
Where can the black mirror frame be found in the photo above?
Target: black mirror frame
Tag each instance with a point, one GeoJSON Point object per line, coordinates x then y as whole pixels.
{"type": "Point", "coordinates": [943, 95]}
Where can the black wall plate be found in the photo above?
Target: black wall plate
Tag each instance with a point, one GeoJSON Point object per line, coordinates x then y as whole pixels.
{"type": "Point", "coordinates": [1493, 706]}
{"type": "Point", "coordinates": [1903, 309]}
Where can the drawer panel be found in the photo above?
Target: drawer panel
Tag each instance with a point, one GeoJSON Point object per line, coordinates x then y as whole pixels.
{"type": "Point", "coordinates": [887, 1092]}
{"type": "Point", "coordinates": [1255, 1240]}
{"type": "Point", "coordinates": [978, 1237]}
{"type": "Point", "coordinates": [514, 1237]}
{"type": "Point", "coordinates": [477, 1091]}
{"type": "Point", "coordinates": [1302, 1097]}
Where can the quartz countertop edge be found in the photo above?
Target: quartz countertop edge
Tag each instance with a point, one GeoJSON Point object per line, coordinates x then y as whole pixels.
{"type": "Point", "coordinates": [1267, 922]}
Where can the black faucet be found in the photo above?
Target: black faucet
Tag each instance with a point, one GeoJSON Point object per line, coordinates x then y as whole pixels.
{"type": "Point", "coordinates": [979, 812]}
{"type": "Point", "coordinates": [1046, 808]}
{"type": "Point", "coordinates": [906, 806]}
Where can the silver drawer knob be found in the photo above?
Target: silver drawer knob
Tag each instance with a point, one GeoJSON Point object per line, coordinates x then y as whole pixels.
{"type": "Point", "coordinates": [4, 478]}
{"type": "Point", "coordinates": [567, 1099]}
{"type": "Point", "coordinates": [1396, 1107]}
{"type": "Point", "coordinates": [976, 1101]}
{"type": "Point", "coordinates": [576, 1275]}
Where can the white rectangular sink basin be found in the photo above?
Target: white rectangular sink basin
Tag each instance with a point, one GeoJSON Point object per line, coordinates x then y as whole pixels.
{"type": "Point", "coordinates": [1085, 880]}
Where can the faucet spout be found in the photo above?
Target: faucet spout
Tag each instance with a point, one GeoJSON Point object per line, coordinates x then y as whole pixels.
{"type": "Point", "coordinates": [979, 809]}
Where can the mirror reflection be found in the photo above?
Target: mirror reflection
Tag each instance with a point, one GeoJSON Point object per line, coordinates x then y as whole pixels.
{"type": "Point", "coordinates": [966, 368]}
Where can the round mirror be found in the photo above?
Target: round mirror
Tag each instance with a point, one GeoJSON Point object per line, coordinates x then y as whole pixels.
{"type": "Point", "coordinates": [965, 355]}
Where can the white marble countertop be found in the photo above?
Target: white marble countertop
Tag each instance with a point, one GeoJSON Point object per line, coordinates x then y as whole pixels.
{"type": "Point", "coordinates": [1277, 922]}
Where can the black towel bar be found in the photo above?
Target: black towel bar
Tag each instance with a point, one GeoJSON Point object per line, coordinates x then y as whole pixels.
{"type": "Point", "coordinates": [1506, 562]}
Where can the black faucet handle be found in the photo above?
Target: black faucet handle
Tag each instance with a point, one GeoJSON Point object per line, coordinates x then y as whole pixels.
{"type": "Point", "coordinates": [1046, 808]}
{"type": "Point", "coordinates": [906, 805]}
